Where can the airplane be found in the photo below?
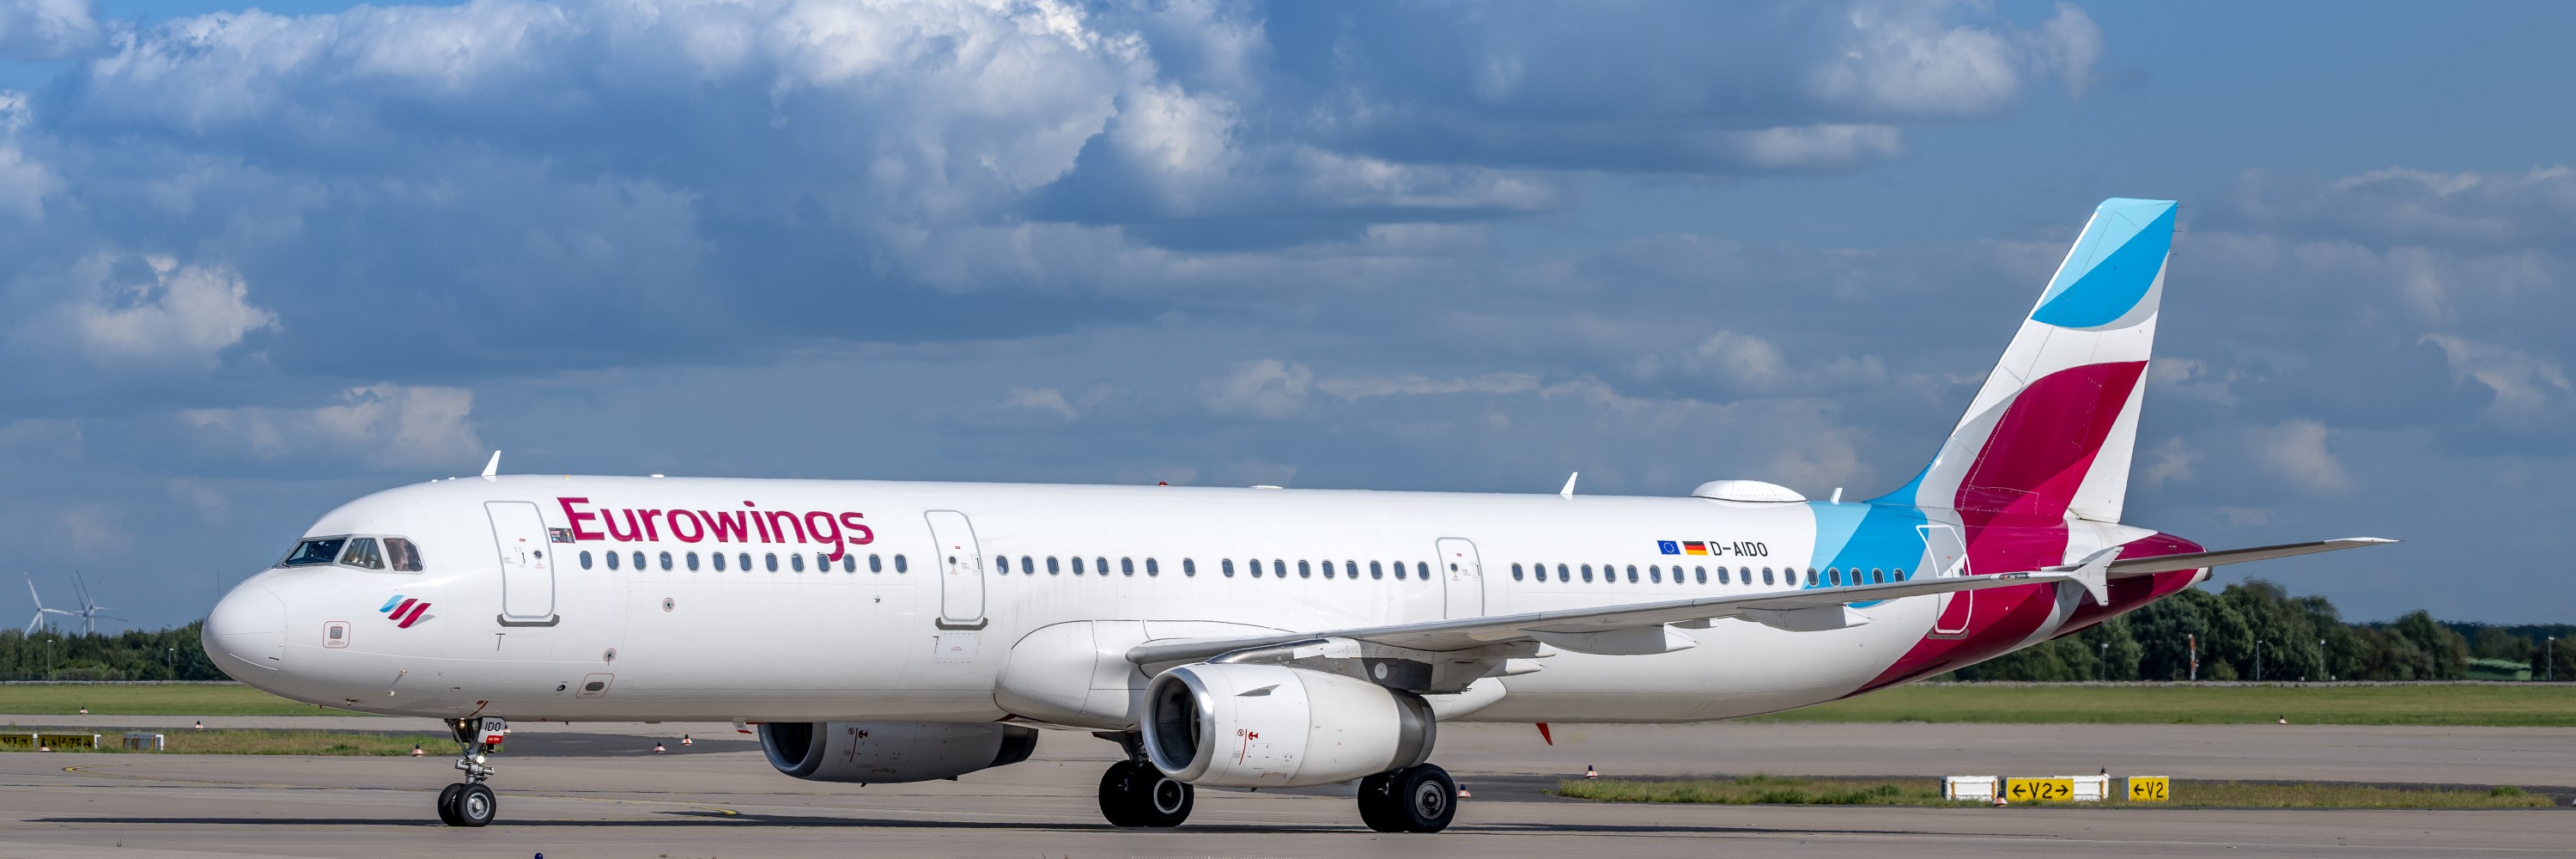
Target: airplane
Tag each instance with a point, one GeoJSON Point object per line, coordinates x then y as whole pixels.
{"type": "Point", "coordinates": [886, 632]}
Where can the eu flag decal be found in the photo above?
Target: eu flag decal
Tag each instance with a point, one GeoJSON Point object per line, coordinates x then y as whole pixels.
{"type": "Point", "coordinates": [1669, 547]}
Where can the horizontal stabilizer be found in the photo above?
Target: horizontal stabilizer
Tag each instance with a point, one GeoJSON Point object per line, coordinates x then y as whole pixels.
{"type": "Point", "coordinates": [2170, 563]}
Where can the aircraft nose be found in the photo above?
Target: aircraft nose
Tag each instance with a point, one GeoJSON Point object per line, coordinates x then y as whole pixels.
{"type": "Point", "coordinates": [247, 629]}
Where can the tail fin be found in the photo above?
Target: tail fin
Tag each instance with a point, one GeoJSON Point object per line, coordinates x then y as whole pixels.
{"type": "Point", "coordinates": [2051, 432]}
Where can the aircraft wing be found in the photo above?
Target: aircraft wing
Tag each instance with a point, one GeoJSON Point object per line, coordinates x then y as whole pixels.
{"type": "Point", "coordinates": [1812, 608]}
{"type": "Point", "coordinates": [2170, 563]}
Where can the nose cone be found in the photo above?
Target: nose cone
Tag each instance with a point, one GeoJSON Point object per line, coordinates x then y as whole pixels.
{"type": "Point", "coordinates": [247, 630]}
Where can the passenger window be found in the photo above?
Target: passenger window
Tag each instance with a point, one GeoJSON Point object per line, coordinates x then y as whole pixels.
{"type": "Point", "coordinates": [1422, 571]}
{"type": "Point", "coordinates": [1226, 566]}
{"type": "Point", "coordinates": [1835, 576]}
{"type": "Point", "coordinates": [1655, 574]}
{"type": "Point", "coordinates": [404, 556]}
{"type": "Point", "coordinates": [1127, 566]}
{"type": "Point", "coordinates": [1766, 575]}
{"type": "Point", "coordinates": [1587, 572]}
{"type": "Point", "coordinates": [1151, 568]}
{"type": "Point", "coordinates": [1002, 565]}
{"type": "Point", "coordinates": [1328, 568]}
{"type": "Point", "coordinates": [666, 560]}
{"type": "Point", "coordinates": [1077, 565]}
{"type": "Point", "coordinates": [1877, 576]}
{"type": "Point", "coordinates": [1100, 565]}
{"type": "Point", "coordinates": [718, 558]}
{"type": "Point", "coordinates": [1900, 574]}
{"type": "Point", "coordinates": [876, 563]}
{"type": "Point", "coordinates": [1278, 568]}
{"type": "Point", "coordinates": [692, 560]}
{"type": "Point", "coordinates": [1811, 577]}
{"type": "Point", "coordinates": [1632, 574]}
{"type": "Point", "coordinates": [612, 559]}
{"type": "Point", "coordinates": [362, 554]}
{"type": "Point", "coordinates": [1399, 570]}
{"type": "Point", "coordinates": [639, 560]}
{"type": "Point", "coordinates": [1255, 566]}
{"type": "Point", "coordinates": [1702, 573]}
{"type": "Point", "coordinates": [796, 561]}
{"type": "Point", "coordinates": [1189, 567]}
{"type": "Point", "coordinates": [1052, 569]}
{"type": "Point", "coordinates": [1305, 570]}
{"type": "Point", "coordinates": [1028, 565]}
{"type": "Point", "coordinates": [585, 559]}
{"type": "Point", "coordinates": [900, 566]}
{"type": "Point", "coordinates": [770, 560]}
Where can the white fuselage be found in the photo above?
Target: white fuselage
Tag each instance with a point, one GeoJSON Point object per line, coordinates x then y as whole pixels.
{"type": "Point", "coordinates": [817, 639]}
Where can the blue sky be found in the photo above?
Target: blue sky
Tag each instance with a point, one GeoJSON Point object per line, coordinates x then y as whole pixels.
{"type": "Point", "coordinates": [255, 263]}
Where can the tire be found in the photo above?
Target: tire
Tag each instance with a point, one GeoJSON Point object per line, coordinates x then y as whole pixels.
{"type": "Point", "coordinates": [1115, 787]}
{"type": "Point", "coordinates": [1159, 800]}
{"type": "Point", "coordinates": [476, 806]}
{"type": "Point", "coordinates": [1377, 803]}
{"type": "Point", "coordinates": [1426, 798]}
{"type": "Point", "coordinates": [447, 804]}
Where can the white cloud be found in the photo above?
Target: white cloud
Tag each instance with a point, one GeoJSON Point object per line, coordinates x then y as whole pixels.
{"type": "Point", "coordinates": [382, 427]}
{"type": "Point", "coordinates": [1266, 388]}
{"type": "Point", "coordinates": [1415, 385]}
{"type": "Point", "coordinates": [185, 317]}
{"type": "Point", "coordinates": [1041, 399]}
{"type": "Point", "coordinates": [24, 182]}
{"type": "Point", "coordinates": [2525, 385]}
{"type": "Point", "coordinates": [1907, 59]}
{"type": "Point", "coordinates": [2296, 451]}
{"type": "Point", "coordinates": [45, 29]}
{"type": "Point", "coordinates": [2169, 461]}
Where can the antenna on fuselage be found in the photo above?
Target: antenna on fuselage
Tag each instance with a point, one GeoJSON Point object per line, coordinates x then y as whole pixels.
{"type": "Point", "coordinates": [493, 467]}
{"type": "Point", "coordinates": [1568, 491]}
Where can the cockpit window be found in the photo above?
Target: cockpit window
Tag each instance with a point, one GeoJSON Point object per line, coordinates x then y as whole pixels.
{"type": "Point", "coordinates": [317, 551]}
{"type": "Point", "coordinates": [363, 555]}
{"type": "Point", "coordinates": [404, 555]}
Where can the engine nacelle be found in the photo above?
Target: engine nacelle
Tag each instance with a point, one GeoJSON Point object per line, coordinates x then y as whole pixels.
{"type": "Point", "coordinates": [1251, 725]}
{"type": "Point", "coordinates": [892, 751]}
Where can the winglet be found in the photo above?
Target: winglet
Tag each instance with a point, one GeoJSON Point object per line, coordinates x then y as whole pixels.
{"type": "Point", "coordinates": [1568, 491]}
{"type": "Point", "coordinates": [494, 467]}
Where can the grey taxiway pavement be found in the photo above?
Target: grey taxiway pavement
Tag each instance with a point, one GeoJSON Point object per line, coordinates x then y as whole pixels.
{"type": "Point", "coordinates": [580, 790]}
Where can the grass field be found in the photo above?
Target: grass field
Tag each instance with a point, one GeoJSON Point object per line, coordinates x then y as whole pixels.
{"type": "Point", "coordinates": [2534, 705]}
{"type": "Point", "coordinates": [175, 699]}
{"type": "Point", "coordinates": [1788, 790]}
{"type": "Point", "coordinates": [266, 742]}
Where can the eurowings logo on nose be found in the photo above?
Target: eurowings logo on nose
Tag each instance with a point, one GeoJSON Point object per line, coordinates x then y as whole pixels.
{"type": "Point", "coordinates": [404, 612]}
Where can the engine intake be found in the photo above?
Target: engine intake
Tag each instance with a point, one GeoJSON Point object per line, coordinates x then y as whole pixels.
{"type": "Point", "coordinates": [892, 752]}
{"type": "Point", "coordinates": [1250, 725]}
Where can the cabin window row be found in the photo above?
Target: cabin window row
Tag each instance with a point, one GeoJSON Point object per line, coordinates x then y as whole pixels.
{"type": "Point", "coordinates": [1654, 574]}
{"type": "Point", "coordinates": [1029, 565]}
{"type": "Point", "coordinates": [771, 561]}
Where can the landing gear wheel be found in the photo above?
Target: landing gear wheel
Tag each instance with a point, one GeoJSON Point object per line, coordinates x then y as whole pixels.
{"type": "Point", "coordinates": [1113, 794]}
{"type": "Point", "coordinates": [447, 804]}
{"type": "Point", "coordinates": [1375, 800]}
{"type": "Point", "coordinates": [1414, 799]}
{"type": "Point", "coordinates": [1134, 794]}
{"type": "Point", "coordinates": [475, 805]}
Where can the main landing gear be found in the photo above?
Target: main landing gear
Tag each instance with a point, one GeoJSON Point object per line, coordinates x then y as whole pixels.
{"type": "Point", "coordinates": [1420, 798]}
{"type": "Point", "coordinates": [1134, 793]}
{"type": "Point", "coordinates": [471, 803]}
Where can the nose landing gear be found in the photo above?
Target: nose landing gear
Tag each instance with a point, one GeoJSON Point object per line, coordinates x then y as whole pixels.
{"type": "Point", "coordinates": [471, 803]}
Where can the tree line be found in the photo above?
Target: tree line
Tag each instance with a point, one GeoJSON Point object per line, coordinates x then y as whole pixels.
{"type": "Point", "coordinates": [2257, 631]}
{"type": "Point", "coordinates": [2300, 638]}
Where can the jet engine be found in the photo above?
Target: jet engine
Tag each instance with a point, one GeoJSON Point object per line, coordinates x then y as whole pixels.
{"type": "Point", "coordinates": [1252, 725]}
{"type": "Point", "coordinates": [892, 751]}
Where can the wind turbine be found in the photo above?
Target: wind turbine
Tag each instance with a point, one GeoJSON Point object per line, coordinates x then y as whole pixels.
{"type": "Point", "coordinates": [38, 622]}
{"type": "Point", "coordinates": [89, 610]}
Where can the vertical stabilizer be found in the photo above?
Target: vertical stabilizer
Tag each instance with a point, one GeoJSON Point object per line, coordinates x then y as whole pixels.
{"type": "Point", "coordinates": [2051, 432]}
